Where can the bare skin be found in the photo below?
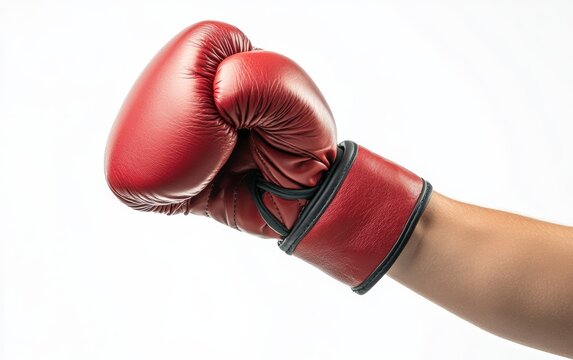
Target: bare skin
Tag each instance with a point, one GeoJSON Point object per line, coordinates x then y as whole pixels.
{"type": "Point", "coordinates": [508, 274]}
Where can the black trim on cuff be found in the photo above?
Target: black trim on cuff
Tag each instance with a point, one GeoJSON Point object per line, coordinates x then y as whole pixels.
{"type": "Point", "coordinates": [346, 155]}
{"type": "Point", "coordinates": [385, 265]}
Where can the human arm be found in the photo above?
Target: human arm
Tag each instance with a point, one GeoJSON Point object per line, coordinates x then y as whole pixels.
{"type": "Point", "coordinates": [508, 274]}
{"type": "Point", "coordinates": [217, 127]}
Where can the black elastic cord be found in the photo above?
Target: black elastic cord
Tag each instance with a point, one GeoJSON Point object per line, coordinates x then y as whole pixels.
{"type": "Point", "coordinates": [287, 194]}
{"type": "Point", "coordinates": [259, 186]}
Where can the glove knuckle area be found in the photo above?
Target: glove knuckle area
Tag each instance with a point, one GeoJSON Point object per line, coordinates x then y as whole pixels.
{"type": "Point", "coordinates": [169, 141]}
{"type": "Point", "coordinates": [267, 90]}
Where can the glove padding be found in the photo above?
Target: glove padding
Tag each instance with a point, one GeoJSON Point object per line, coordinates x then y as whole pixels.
{"type": "Point", "coordinates": [216, 127]}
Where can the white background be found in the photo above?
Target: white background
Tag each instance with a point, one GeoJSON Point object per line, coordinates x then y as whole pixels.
{"type": "Point", "coordinates": [477, 97]}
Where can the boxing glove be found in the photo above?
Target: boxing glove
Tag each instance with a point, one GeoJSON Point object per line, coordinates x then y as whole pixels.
{"type": "Point", "coordinates": [216, 127]}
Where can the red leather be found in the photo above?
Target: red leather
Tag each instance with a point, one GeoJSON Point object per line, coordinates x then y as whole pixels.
{"type": "Point", "coordinates": [205, 112]}
{"type": "Point", "coordinates": [209, 109]}
{"type": "Point", "coordinates": [364, 220]}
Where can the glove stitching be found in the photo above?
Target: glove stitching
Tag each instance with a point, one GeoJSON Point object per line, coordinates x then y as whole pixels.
{"type": "Point", "coordinates": [208, 199]}
{"type": "Point", "coordinates": [235, 192]}
{"type": "Point", "coordinates": [277, 208]}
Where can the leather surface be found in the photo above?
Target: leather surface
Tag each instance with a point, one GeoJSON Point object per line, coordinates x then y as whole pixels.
{"type": "Point", "coordinates": [210, 109]}
{"type": "Point", "coordinates": [207, 111]}
{"type": "Point", "coordinates": [364, 220]}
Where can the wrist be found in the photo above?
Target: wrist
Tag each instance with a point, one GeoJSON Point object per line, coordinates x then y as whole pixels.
{"type": "Point", "coordinates": [415, 245]}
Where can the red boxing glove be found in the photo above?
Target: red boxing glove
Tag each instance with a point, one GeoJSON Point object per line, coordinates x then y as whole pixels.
{"type": "Point", "coordinates": [216, 127]}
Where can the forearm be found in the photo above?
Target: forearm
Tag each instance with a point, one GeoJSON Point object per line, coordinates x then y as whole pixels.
{"type": "Point", "coordinates": [508, 274]}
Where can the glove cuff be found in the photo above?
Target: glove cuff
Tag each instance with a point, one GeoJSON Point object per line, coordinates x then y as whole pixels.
{"type": "Point", "coordinates": [357, 220]}
{"type": "Point", "coordinates": [360, 218]}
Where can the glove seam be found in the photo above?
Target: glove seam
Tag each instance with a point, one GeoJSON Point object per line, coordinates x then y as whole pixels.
{"type": "Point", "coordinates": [212, 188]}
{"type": "Point", "coordinates": [235, 191]}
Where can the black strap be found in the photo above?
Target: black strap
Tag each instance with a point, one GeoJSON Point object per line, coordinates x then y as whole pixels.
{"type": "Point", "coordinates": [259, 187]}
